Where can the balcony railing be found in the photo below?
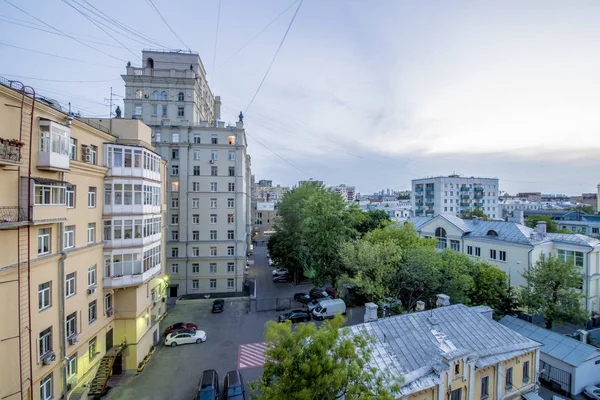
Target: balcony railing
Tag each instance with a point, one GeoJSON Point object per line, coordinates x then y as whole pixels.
{"type": "Point", "coordinates": [478, 189]}
{"type": "Point", "coordinates": [131, 280]}
{"type": "Point", "coordinates": [419, 197]}
{"type": "Point", "coordinates": [429, 204]}
{"type": "Point", "coordinates": [465, 188]}
{"type": "Point", "coordinates": [429, 196]}
{"type": "Point", "coordinates": [463, 204]}
{"type": "Point", "coordinates": [9, 154]}
{"type": "Point", "coordinates": [419, 204]}
{"type": "Point", "coordinates": [478, 204]}
{"type": "Point", "coordinates": [464, 196]}
{"type": "Point", "coordinates": [418, 211]}
{"type": "Point", "coordinates": [12, 216]}
{"type": "Point", "coordinates": [479, 196]}
{"type": "Point", "coordinates": [418, 189]}
{"type": "Point", "coordinates": [428, 211]}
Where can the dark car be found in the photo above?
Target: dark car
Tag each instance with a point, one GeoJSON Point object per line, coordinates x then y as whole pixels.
{"type": "Point", "coordinates": [208, 387]}
{"type": "Point", "coordinates": [282, 278]}
{"type": "Point", "coordinates": [317, 293]}
{"type": "Point", "coordinates": [331, 292]}
{"type": "Point", "coordinates": [218, 305]}
{"type": "Point", "coordinates": [233, 387]}
{"type": "Point", "coordinates": [302, 298]}
{"type": "Point", "coordinates": [295, 316]}
{"type": "Point", "coordinates": [181, 326]}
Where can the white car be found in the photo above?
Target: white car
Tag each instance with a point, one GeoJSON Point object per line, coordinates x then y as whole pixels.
{"type": "Point", "coordinates": [270, 261]}
{"type": "Point", "coordinates": [280, 271]}
{"type": "Point", "coordinates": [593, 392]}
{"type": "Point", "coordinates": [185, 337]}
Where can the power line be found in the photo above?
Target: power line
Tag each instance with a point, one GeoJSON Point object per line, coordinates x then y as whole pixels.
{"type": "Point", "coordinates": [58, 30]}
{"type": "Point", "coordinates": [167, 24]}
{"type": "Point", "coordinates": [57, 80]}
{"type": "Point", "coordinates": [57, 56]}
{"type": "Point", "coordinates": [257, 35]}
{"type": "Point", "coordinates": [275, 56]}
{"type": "Point", "coordinates": [212, 71]}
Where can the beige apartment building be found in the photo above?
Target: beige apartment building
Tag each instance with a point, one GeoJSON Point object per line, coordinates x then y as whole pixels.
{"type": "Point", "coordinates": [73, 312]}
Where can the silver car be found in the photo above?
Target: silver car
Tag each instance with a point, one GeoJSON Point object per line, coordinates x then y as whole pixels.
{"type": "Point", "coordinates": [176, 338]}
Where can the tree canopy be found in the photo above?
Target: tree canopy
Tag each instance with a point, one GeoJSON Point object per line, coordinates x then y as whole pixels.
{"type": "Point", "coordinates": [473, 212]}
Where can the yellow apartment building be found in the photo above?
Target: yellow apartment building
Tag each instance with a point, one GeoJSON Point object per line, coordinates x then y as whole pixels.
{"type": "Point", "coordinates": [454, 353]}
{"type": "Point", "coordinates": [75, 307]}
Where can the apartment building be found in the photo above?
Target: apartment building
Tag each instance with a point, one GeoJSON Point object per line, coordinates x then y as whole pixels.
{"type": "Point", "coordinates": [263, 215]}
{"type": "Point", "coordinates": [453, 352]}
{"type": "Point", "coordinates": [61, 322]}
{"type": "Point", "coordinates": [514, 247]}
{"type": "Point", "coordinates": [208, 197]}
{"type": "Point", "coordinates": [347, 192]}
{"type": "Point", "coordinates": [454, 194]}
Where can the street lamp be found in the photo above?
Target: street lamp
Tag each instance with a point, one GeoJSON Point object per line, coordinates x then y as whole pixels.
{"type": "Point", "coordinates": [510, 270]}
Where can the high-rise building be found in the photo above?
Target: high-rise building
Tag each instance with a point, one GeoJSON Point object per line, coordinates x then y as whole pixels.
{"type": "Point", "coordinates": [347, 192]}
{"type": "Point", "coordinates": [73, 306]}
{"type": "Point", "coordinates": [454, 194]}
{"type": "Point", "coordinates": [209, 175]}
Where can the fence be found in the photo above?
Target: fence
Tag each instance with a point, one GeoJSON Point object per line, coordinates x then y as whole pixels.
{"type": "Point", "coordinates": [555, 379]}
{"type": "Point", "coordinates": [271, 304]}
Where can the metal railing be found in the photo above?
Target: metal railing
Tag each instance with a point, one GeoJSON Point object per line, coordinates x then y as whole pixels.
{"type": "Point", "coordinates": [10, 215]}
{"type": "Point", "coordinates": [10, 153]}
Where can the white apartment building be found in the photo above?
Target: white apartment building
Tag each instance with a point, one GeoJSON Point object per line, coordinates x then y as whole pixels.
{"type": "Point", "coordinates": [208, 174]}
{"type": "Point", "coordinates": [347, 192]}
{"type": "Point", "coordinates": [453, 194]}
{"type": "Point", "coordinates": [514, 247]}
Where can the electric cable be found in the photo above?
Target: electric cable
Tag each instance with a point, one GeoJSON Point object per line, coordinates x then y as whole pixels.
{"type": "Point", "coordinates": [212, 71]}
{"type": "Point", "coordinates": [167, 24]}
{"type": "Point", "coordinates": [57, 56]}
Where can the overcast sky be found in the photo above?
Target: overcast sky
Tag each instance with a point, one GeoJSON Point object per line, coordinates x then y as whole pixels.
{"type": "Point", "coordinates": [366, 93]}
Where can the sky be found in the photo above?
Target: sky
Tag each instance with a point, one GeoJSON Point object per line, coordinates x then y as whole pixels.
{"type": "Point", "coordinates": [365, 93]}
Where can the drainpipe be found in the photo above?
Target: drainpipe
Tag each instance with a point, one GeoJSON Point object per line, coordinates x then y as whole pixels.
{"type": "Point", "coordinates": [63, 330]}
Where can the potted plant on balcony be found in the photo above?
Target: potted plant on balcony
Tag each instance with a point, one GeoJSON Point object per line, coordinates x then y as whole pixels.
{"type": "Point", "coordinates": [16, 143]}
{"type": "Point", "coordinates": [137, 235]}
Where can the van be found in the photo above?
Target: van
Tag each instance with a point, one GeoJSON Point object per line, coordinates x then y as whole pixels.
{"type": "Point", "coordinates": [208, 387]}
{"type": "Point", "coordinates": [329, 309]}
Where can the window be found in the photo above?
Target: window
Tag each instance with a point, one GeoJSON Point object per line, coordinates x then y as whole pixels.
{"type": "Point", "coordinates": [49, 195]}
{"type": "Point", "coordinates": [195, 284]}
{"type": "Point", "coordinates": [196, 170]}
{"type": "Point", "coordinates": [154, 110]}
{"type": "Point", "coordinates": [212, 267]}
{"type": "Point", "coordinates": [92, 312]}
{"type": "Point", "coordinates": [232, 155]}
{"type": "Point", "coordinates": [231, 171]}
{"type": "Point", "coordinates": [456, 369]}
{"type": "Point", "coordinates": [214, 139]}
{"type": "Point", "coordinates": [508, 378]}
{"type": "Point", "coordinates": [180, 112]}
{"type": "Point", "coordinates": [231, 187]}
{"type": "Point", "coordinates": [46, 388]}
{"type": "Point", "coordinates": [455, 245]}
{"type": "Point", "coordinates": [440, 235]}
{"type": "Point", "coordinates": [196, 203]}
{"type": "Point", "coordinates": [71, 325]}
{"type": "Point", "coordinates": [72, 366]}
{"type": "Point", "coordinates": [93, 154]}
{"type": "Point", "coordinates": [92, 275]}
{"type": "Point", "coordinates": [195, 186]}
{"type": "Point", "coordinates": [213, 186]}
{"type": "Point", "coordinates": [157, 137]}
{"type": "Point", "coordinates": [175, 252]}
{"type": "Point", "coordinates": [213, 251]}
{"type": "Point", "coordinates": [138, 109]}
{"type": "Point", "coordinates": [195, 235]}
{"type": "Point", "coordinates": [174, 169]}
{"type": "Point", "coordinates": [230, 218]}
{"type": "Point", "coordinates": [163, 95]}
{"type": "Point", "coordinates": [175, 154]}
{"type": "Point", "coordinates": [71, 196]}
{"type": "Point", "coordinates": [139, 94]}
{"type": "Point", "coordinates": [214, 155]}
{"type": "Point", "coordinates": [92, 348]}
{"type": "Point", "coordinates": [175, 203]}
{"type": "Point", "coordinates": [44, 241]}
{"type": "Point", "coordinates": [70, 284]}
{"type": "Point", "coordinates": [91, 197]}
{"type": "Point", "coordinates": [214, 171]}
{"type": "Point", "coordinates": [197, 141]}
{"type": "Point", "coordinates": [213, 203]}
{"type": "Point", "coordinates": [174, 219]}
{"type": "Point", "coordinates": [175, 268]}
{"type": "Point", "coordinates": [230, 203]}
{"type": "Point", "coordinates": [492, 254]}
{"type": "Point", "coordinates": [213, 284]}
{"type": "Point", "coordinates": [230, 235]}
{"type": "Point", "coordinates": [595, 230]}
{"type": "Point", "coordinates": [526, 371]}
{"type": "Point", "coordinates": [470, 250]}
{"type": "Point", "coordinates": [456, 394]}
{"type": "Point", "coordinates": [195, 268]}
{"type": "Point", "coordinates": [174, 186]}
{"type": "Point", "coordinates": [175, 137]}
{"type": "Point", "coordinates": [195, 218]}
{"type": "Point", "coordinates": [73, 148]}
{"type": "Point", "coordinates": [231, 139]}
{"type": "Point", "coordinates": [180, 96]}
{"type": "Point", "coordinates": [213, 235]}
{"type": "Point", "coordinates": [230, 283]}
{"type": "Point", "coordinates": [174, 235]}
{"type": "Point", "coordinates": [575, 257]}
{"type": "Point", "coordinates": [478, 251]}
{"type": "Point", "coordinates": [502, 255]}
{"type": "Point", "coordinates": [196, 154]}
{"type": "Point", "coordinates": [91, 233]}
{"type": "Point", "coordinates": [230, 250]}
{"type": "Point", "coordinates": [69, 237]}
{"type": "Point", "coordinates": [213, 218]}
{"type": "Point", "coordinates": [44, 296]}
{"type": "Point", "coordinates": [485, 387]}
{"type": "Point", "coordinates": [164, 111]}
{"type": "Point", "coordinates": [230, 267]}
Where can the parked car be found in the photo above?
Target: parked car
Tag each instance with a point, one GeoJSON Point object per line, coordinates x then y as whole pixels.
{"type": "Point", "coordinates": [313, 304]}
{"type": "Point", "coordinates": [331, 292]}
{"type": "Point", "coordinates": [329, 309]}
{"type": "Point", "coordinates": [233, 387]}
{"type": "Point", "coordinates": [317, 293]}
{"type": "Point", "coordinates": [295, 316]}
{"type": "Point", "coordinates": [282, 279]}
{"type": "Point", "coordinates": [208, 387]}
{"type": "Point", "coordinates": [218, 305]}
{"type": "Point", "coordinates": [176, 338]}
{"type": "Point", "coordinates": [270, 261]}
{"type": "Point", "coordinates": [280, 271]}
{"type": "Point", "coordinates": [180, 326]}
{"type": "Point", "coordinates": [302, 298]}
{"type": "Point", "coordinates": [592, 391]}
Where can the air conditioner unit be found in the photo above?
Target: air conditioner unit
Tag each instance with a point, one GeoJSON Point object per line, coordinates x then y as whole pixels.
{"type": "Point", "coordinates": [110, 312]}
{"type": "Point", "coordinates": [212, 161]}
{"type": "Point", "coordinates": [73, 339]}
{"type": "Point", "coordinates": [87, 158]}
{"type": "Point", "coordinates": [88, 150]}
{"type": "Point", "coordinates": [49, 358]}
{"type": "Point", "coordinates": [91, 290]}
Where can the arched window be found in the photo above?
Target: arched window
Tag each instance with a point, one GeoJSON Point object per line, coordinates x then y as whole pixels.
{"type": "Point", "coordinates": [139, 94]}
{"type": "Point", "coordinates": [492, 232]}
{"type": "Point", "coordinates": [163, 96]}
{"type": "Point", "coordinates": [180, 96]}
{"type": "Point", "coordinates": [155, 95]}
{"type": "Point", "coordinates": [150, 63]}
{"type": "Point", "coordinates": [440, 235]}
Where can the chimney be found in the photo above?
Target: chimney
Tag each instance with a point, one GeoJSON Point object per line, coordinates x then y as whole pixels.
{"type": "Point", "coordinates": [541, 227]}
{"type": "Point", "coordinates": [583, 335]}
{"type": "Point", "coordinates": [371, 312]}
{"type": "Point", "coordinates": [420, 306]}
{"type": "Point", "coordinates": [442, 300]}
{"type": "Point", "coordinates": [475, 219]}
{"type": "Point", "coordinates": [517, 217]}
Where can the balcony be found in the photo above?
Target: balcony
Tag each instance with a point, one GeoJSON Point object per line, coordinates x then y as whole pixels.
{"type": "Point", "coordinates": [429, 196]}
{"type": "Point", "coordinates": [478, 204]}
{"type": "Point", "coordinates": [54, 147]}
{"type": "Point", "coordinates": [135, 279]}
{"type": "Point", "coordinates": [419, 204]}
{"type": "Point", "coordinates": [418, 189]}
{"type": "Point", "coordinates": [465, 189]}
{"type": "Point", "coordinates": [478, 189]}
{"type": "Point", "coordinates": [428, 211]}
{"type": "Point", "coordinates": [463, 204]}
{"type": "Point", "coordinates": [10, 154]}
{"type": "Point", "coordinates": [418, 211]}
{"type": "Point", "coordinates": [479, 196]}
{"type": "Point", "coordinates": [419, 197]}
{"type": "Point", "coordinates": [465, 196]}
{"type": "Point", "coordinates": [429, 204]}
{"type": "Point", "coordinates": [12, 217]}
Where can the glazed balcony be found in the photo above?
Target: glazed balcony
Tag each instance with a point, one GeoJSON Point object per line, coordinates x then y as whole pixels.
{"type": "Point", "coordinates": [419, 197]}
{"type": "Point", "coordinates": [478, 204]}
{"type": "Point", "coordinates": [429, 204]}
{"type": "Point", "coordinates": [465, 196]}
{"type": "Point", "coordinates": [12, 217]}
{"type": "Point", "coordinates": [479, 196]}
{"type": "Point", "coordinates": [136, 278]}
{"type": "Point", "coordinates": [429, 196]}
{"type": "Point", "coordinates": [463, 204]}
{"type": "Point", "coordinates": [418, 211]}
{"type": "Point", "coordinates": [465, 189]}
{"type": "Point", "coordinates": [419, 204]}
{"type": "Point", "coordinates": [54, 147]}
{"type": "Point", "coordinates": [418, 189]}
{"type": "Point", "coordinates": [10, 152]}
{"type": "Point", "coordinates": [478, 189]}
{"type": "Point", "coordinates": [428, 211]}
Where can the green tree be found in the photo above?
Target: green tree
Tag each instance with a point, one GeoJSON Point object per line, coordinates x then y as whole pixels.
{"type": "Point", "coordinates": [490, 287]}
{"type": "Point", "coordinates": [405, 236]}
{"type": "Point", "coordinates": [364, 222]}
{"type": "Point", "coordinates": [475, 212]}
{"type": "Point", "coordinates": [456, 276]}
{"type": "Point", "coordinates": [553, 290]}
{"type": "Point", "coordinates": [532, 220]}
{"type": "Point", "coordinates": [586, 208]}
{"type": "Point", "coordinates": [510, 302]}
{"type": "Point", "coordinates": [419, 276]}
{"type": "Point", "coordinates": [320, 363]}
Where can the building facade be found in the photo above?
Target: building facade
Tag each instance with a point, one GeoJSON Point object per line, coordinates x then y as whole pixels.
{"type": "Point", "coordinates": [347, 192]}
{"type": "Point", "coordinates": [263, 215]}
{"type": "Point", "coordinates": [454, 194]}
{"type": "Point", "coordinates": [61, 322]}
{"type": "Point", "coordinates": [208, 178]}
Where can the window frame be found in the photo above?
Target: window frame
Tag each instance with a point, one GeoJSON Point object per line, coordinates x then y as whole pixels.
{"type": "Point", "coordinates": [45, 342]}
{"type": "Point", "coordinates": [71, 324]}
{"type": "Point", "coordinates": [69, 237]}
{"type": "Point", "coordinates": [91, 197]}
{"type": "Point", "coordinates": [92, 312]}
{"type": "Point", "coordinates": [91, 233]}
{"type": "Point", "coordinates": [44, 238]}
{"type": "Point", "coordinates": [70, 284]}
{"type": "Point", "coordinates": [47, 387]}
{"type": "Point", "coordinates": [44, 296]}
{"type": "Point", "coordinates": [92, 276]}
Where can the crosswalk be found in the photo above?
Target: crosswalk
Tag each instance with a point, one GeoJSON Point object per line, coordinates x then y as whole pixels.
{"type": "Point", "coordinates": [251, 355]}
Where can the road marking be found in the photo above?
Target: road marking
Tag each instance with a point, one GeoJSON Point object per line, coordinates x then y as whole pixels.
{"type": "Point", "coordinates": [251, 355]}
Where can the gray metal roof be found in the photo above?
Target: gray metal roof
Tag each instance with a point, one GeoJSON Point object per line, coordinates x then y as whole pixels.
{"type": "Point", "coordinates": [462, 224]}
{"type": "Point", "coordinates": [577, 239]}
{"type": "Point", "coordinates": [561, 347]}
{"type": "Point", "coordinates": [419, 221]}
{"type": "Point", "coordinates": [412, 345]}
{"type": "Point", "coordinates": [507, 231]}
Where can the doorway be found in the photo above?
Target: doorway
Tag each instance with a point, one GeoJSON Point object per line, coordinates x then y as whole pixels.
{"type": "Point", "coordinates": [109, 340]}
{"type": "Point", "coordinates": [173, 291]}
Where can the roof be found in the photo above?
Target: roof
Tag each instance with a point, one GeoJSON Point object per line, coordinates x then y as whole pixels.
{"type": "Point", "coordinates": [417, 222]}
{"type": "Point", "coordinates": [576, 239]}
{"type": "Point", "coordinates": [460, 223]}
{"type": "Point", "coordinates": [416, 345]}
{"type": "Point", "coordinates": [558, 346]}
{"type": "Point", "coordinates": [46, 181]}
{"type": "Point", "coordinates": [507, 231]}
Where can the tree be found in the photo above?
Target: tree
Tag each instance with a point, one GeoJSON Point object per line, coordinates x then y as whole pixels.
{"type": "Point", "coordinates": [553, 290]}
{"type": "Point", "coordinates": [532, 221]}
{"type": "Point", "coordinates": [510, 302]}
{"type": "Point", "coordinates": [489, 286]}
{"type": "Point", "coordinates": [364, 222]}
{"type": "Point", "coordinates": [475, 212]}
{"type": "Point", "coordinates": [585, 208]}
{"type": "Point", "coordinates": [320, 363]}
{"type": "Point", "coordinates": [456, 278]}
{"type": "Point", "coordinates": [419, 276]}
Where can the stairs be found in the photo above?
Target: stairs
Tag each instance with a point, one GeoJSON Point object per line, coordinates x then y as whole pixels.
{"type": "Point", "coordinates": [98, 386]}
